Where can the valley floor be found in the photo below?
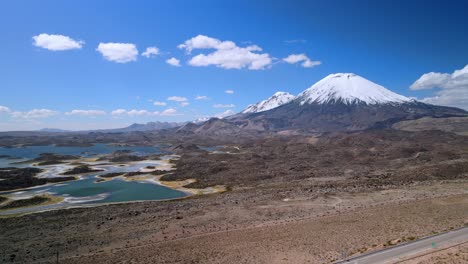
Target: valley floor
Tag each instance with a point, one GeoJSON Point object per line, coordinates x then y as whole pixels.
{"type": "Point", "coordinates": [288, 200]}
{"type": "Point", "coordinates": [242, 226]}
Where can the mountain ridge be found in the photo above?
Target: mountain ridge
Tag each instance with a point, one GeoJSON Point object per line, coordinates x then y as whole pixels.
{"type": "Point", "coordinates": [277, 99]}
{"type": "Point", "coordinates": [342, 102]}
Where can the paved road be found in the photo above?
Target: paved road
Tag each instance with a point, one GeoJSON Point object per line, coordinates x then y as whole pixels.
{"type": "Point", "coordinates": [392, 254]}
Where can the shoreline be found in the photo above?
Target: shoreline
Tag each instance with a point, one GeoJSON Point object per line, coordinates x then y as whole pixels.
{"type": "Point", "coordinates": [147, 178]}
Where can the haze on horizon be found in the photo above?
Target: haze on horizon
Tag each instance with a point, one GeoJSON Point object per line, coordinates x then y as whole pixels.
{"type": "Point", "coordinates": [89, 65]}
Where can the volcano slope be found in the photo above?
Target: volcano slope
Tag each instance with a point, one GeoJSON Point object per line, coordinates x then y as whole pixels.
{"type": "Point", "coordinates": [363, 160]}
{"type": "Point", "coordinates": [341, 102]}
{"type": "Point", "coordinates": [291, 199]}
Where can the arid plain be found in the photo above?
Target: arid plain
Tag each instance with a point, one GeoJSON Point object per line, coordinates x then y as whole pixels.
{"type": "Point", "coordinates": [297, 199]}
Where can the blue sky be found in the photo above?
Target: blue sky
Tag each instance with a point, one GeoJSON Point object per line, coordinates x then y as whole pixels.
{"type": "Point", "coordinates": [393, 43]}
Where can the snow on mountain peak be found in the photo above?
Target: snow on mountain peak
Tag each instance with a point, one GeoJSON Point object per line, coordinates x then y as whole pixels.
{"type": "Point", "coordinates": [277, 99]}
{"type": "Point", "coordinates": [348, 88]}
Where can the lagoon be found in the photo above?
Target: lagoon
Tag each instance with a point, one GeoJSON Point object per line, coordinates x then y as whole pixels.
{"type": "Point", "coordinates": [88, 190]}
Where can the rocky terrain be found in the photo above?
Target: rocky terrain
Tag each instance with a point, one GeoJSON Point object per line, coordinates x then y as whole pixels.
{"type": "Point", "coordinates": [454, 255]}
{"type": "Point", "coordinates": [50, 159]}
{"type": "Point", "coordinates": [286, 195]}
{"type": "Point", "coordinates": [458, 125]}
{"type": "Point", "coordinates": [17, 178]}
{"type": "Point", "coordinates": [364, 159]}
{"type": "Point", "coordinates": [80, 169]}
{"type": "Point", "coordinates": [344, 168]}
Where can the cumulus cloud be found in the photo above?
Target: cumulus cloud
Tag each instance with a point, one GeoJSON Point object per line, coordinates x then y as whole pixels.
{"type": "Point", "coordinates": [169, 112]}
{"type": "Point", "coordinates": [183, 101]}
{"type": "Point", "coordinates": [201, 97]}
{"type": "Point", "coordinates": [33, 114]}
{"type": "Point", "coordinates": [453, 87]}
{"type": "Point", "coordinates": [133, 112]}
{"type": "Point", "coordinates": [119, 112]}
{"type": "Point", "coordinates": [90, 113]}
{"type": "Point", "coordinates": [224, 114]}
{"type": "Point", "coordinates": [173, 61]}
{"type": "Point", "coordinates": [4, 109]}
{"type": "Point", "coordinates": [56, 42]}
{"type": "Point", "coordinates": [137, 113]}
{"type": "Point", "coordinates": [431, 80]}
{"type": "Point", "coordinates": [454, 97]}
{"type": "Point", "coordinates": [229, 91]}
{"type": "Point", "coordinates": [177, 99]}
{"type": "Point", "coordinates": [159, 103]}
{"type": "Point", "coordinates": [306, 62]}
{"type": "Point", "coordinates": [224, 105]}
{"type": "Point", "coordinates": [151, 52]}
{"type": "Point", "coordinates": [226, 54]}
{"type": "Point", "coordinates": [118, 52]}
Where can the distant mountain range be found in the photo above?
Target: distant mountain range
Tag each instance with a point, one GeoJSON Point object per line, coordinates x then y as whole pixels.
{"type": "Point", "coordinates": [145, 127]}
{"type": "Point", "coordinates": [53, 130]}
{"type": "Point", "coordinates": [131, 128]}
{"type": "Point", "coordinates": [339, 102]}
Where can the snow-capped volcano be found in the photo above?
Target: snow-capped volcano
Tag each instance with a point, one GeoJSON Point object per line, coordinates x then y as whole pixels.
{"type": "Point", "coordinates": [277, 99]}
{"type": "Point", "coordinates": [338, 102]}
{"type": "Point", "coordinates": [348, 88]}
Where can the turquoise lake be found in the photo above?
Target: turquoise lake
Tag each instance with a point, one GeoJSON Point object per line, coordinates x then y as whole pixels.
{"type": "Point", "coordinates": [86, 190]}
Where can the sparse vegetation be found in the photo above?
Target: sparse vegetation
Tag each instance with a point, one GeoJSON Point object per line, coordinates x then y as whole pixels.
{"type": "Point", "coordinates": [18, 178]}
{"type": "Point", "coordinates": [80, 170]}
{"type": "Point", "coordinates": [36, 200]}
{"type": "Point", "coordinates": [112, 174]}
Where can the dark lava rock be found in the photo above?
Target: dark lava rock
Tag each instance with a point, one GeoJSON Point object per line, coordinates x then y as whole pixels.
{"type": "Point", "coordinates": [80, 170]}
{"type": "Point", "coordinates": [18, 178]}
{"type": "Point", "coordinates": [111, 175]}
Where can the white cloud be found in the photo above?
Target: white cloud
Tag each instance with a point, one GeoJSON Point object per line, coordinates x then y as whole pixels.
{"type": "Point", "coordinates": [177, 99]}
{"type": "Point", "coordinates": [454, 87]}
{"type": "Point", "coordinates": [4, 109]}
{"type": "Point", "coordinates": [56, 42]}
{"type": "Point", "coordinates": [306, 62]}
{"type": "Point", "coordinates": [204, 42]}
{"type": "Point", "coordinates": [295, 58]}
{"type": "Point", "coordinates": [453, 97]}
{"type": "Point", "coordinates": [431, 80]}
{"type": "Point", "coordinates": [151, 52]}
{"type": "Point", "coordinates": [119, 112]}
{"type": "Point", "coordinates": [118, 52]}
{"type": "Point", "coordinates": [224, 114]}
{"type": "Point", "coordinates": [201, 97]}
{"type": "Point", "coordinates": [173, 61]}
{"type": "Point", "coordinates": [91, 113]}
{"type": "Point", "coordinates": [35, 113]}
{"type": "Point", "coordinates": [133, 112]}
{"type": "Point", "coordinates": [183, 101]}
{"type": "Point", "coordinates": [224, 105]}
{"type": "Point", "coordinates": [227, 54]}
{"type": "Point", "coordinates": [158, 103]}
{"type": "Point", "coordinates": [169, 112]}
{"type": "Point", "coordinates": [229, 91]}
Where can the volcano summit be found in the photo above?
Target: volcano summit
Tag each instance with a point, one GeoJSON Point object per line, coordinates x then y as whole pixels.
{"type": "Point", "coordinates": [340, 102]}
